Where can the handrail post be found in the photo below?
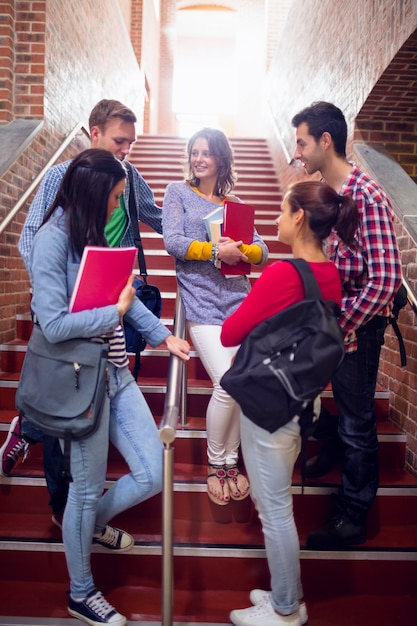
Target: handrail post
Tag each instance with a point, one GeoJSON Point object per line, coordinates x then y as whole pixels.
{"type": "Point", "coordinates": [167, 535]}
{"type": "Point", "coordinates": [167, 433]}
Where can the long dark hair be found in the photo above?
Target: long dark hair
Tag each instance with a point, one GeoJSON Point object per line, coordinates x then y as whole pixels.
{"type": "Point", "coordinates": [221, 149]}
{"type": "Point", "coordinates": [83, 195]}
{"type": "Point", "coordinates": [325, 210]}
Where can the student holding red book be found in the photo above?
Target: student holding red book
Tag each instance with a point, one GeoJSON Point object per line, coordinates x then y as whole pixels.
{"type": "Point", "coordinates": [208, 296]}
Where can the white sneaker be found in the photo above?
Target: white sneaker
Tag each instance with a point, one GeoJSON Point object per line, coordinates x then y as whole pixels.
{"type": "Point", "coordinates": [263, 615]}
{"type": "Point", "coordinates": [114, 539]}
{"type": "Point", "coordinates": [257, 596]}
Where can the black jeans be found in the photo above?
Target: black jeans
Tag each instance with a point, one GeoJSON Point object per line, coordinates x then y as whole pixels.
{"type": "Point", "coordinates": [354, 386]}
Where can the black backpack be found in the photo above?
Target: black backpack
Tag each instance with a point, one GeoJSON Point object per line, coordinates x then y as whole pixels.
{"type": "Point", "coordinates": [288, 360]}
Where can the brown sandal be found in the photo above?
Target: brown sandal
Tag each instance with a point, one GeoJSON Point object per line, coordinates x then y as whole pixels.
{"type": "Point", "coordinates": [232, 473]}
{"type": "Point", "coordinates": [221, 475]}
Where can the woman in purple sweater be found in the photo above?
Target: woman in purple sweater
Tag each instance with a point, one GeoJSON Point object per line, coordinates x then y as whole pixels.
{"type": "Point", "coordinates": [208, 296]}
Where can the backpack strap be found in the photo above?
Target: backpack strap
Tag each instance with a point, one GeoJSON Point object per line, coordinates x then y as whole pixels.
{"type": "Point", "coordinates": [138, 243]}
{"type": "Point", "coordinates": [311, 287]}
{"type": "Point", "coordinates": [135, 224]}
{"type": "Point", "coordinates": [311, 292]}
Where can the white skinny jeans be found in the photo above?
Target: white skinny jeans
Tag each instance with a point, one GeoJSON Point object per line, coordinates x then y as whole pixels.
{"type": "Point", "coordinates": [223, 413]}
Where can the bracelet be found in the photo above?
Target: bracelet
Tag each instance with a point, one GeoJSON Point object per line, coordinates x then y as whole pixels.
{"type": "Point", "coordinates": [215, 255]}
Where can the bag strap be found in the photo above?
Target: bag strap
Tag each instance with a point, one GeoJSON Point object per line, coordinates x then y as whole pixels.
{"type": "Point", "coordinates": [401, 345]}
{"type": "Point", "coordinates": [66, 464]}
{"type": "Point", "coordinates": [311, 292]}
{"type": "Point", "coordinates": [311, 287]}
{"type": "Point", "coordinates": [135, 224]}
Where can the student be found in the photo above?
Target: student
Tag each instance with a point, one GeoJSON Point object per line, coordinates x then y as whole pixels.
{"type": "Point", "coordinates": [371, 275]}
{"type": "Point", "coordinates": [112, 127]}
{"type": "Point", "coordinates": [88, 196]}
{"type": "Point", "coordinates": [310, 210]}
{"type": "Point", "coordinates": [207, 295]}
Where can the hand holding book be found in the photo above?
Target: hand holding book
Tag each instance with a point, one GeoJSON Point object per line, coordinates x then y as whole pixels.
{"type": "Point", "coordinates": [102, 277]}
{"type": "Point", "coordinates": [238, 224]}
{"type": "Point", "coordinates": [232, 223]}
{"type": "Point", "coordinates": [229, 252]}
{"type": "Point", "coordinates": [126, 297]}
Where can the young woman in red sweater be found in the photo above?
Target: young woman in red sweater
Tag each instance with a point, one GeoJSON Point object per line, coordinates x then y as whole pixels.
{"type": "Point", "coordinates": [310, 211]}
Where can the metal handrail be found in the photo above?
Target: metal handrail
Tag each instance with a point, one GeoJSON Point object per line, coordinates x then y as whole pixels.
{"type": "Point", "coordinates": [39, 177]}
{"type": "Point", "coordinates": [412, 301]}
{"type": "Point", "coordinates": [173, 409]}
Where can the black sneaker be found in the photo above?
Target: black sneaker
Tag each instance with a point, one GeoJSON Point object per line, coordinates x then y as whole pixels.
{"type": "Point", "coordinates": [339, 532]}
{"type": "Point", "coordinates": [95, 610]}
{"type": "Point", "coordinates": [114, 539]}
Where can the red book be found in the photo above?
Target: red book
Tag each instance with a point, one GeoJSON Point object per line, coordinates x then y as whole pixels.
{"type": "Point", "coordinates": [238, 224]}
{"type": "Point", "coordinates": [102, 274]}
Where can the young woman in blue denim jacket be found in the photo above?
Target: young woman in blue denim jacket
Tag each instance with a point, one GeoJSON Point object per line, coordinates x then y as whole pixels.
{"type": "Point", "coordinates": [89, 193]}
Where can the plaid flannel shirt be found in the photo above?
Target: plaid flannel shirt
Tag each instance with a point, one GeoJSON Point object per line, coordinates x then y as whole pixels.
{"type": "Point", "coordinates": [371, 273]}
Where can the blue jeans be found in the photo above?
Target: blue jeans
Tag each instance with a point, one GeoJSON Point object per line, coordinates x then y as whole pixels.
{"type": "Point", "coordinates": [269, 460]}
{"type": "Point", "coordinates": [354, 386]}
{"type": "Point", "coordinates": [128, 423]}
{"type": "Point", "coordinates": [52, 464]}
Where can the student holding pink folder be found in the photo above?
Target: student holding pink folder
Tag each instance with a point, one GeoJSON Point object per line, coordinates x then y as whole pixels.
{"type": "Point", "coordinates": [88, 195]}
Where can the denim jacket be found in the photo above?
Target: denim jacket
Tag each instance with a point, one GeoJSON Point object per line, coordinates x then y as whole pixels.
{"type": "Point", "coordinates": [53, 270]}
{"type": "Point", "coordinates": [148, 212]}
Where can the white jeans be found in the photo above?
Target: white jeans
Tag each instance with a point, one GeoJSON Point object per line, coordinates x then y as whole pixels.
{"type": "Point", "coordinates": [223, 413]}
{"type": "Point", "coordinates": [269, 460]}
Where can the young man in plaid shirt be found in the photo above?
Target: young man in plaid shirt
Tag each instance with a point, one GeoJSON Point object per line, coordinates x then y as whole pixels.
{"type": "Point", "coordinates": [370, 275]}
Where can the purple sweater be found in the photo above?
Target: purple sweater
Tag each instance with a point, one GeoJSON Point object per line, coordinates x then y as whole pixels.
{"type": "Point", "coordinates": [208, 297]}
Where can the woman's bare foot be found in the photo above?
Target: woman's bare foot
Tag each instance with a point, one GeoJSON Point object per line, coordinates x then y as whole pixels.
{"type": "Point", "coordinates": [217, 487]}
{"type": "Point", "coordinates": [238, 483]}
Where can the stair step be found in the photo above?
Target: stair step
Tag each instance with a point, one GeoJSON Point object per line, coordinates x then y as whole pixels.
{"type": "Point", "coordinates": [218, 551]}
{"type": "Point", "coordinates": [135, 588]}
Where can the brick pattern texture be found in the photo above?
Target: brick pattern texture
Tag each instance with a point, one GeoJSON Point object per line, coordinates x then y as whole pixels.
{"type": "Point", "coordinates": [57, 60]}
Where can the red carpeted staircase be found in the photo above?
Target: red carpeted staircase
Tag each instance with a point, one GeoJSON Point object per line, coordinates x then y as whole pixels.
{"type": "Point", "coordinates": [219, 554]}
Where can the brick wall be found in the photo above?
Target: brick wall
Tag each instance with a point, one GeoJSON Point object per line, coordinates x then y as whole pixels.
{"type": "Point", "coordinates": [166, 120]}
{"type": "Point", "coordinates": [344, 53]}
{"type": "Point", "coordinates": [85, 48]}
{"type": "Point", "coordinates": [150, 61]}
{"type": "Point", "coordinates": [389, 114]}
{"type": "Point", "coordinates": [402, 381]}
{"type": "Point", "coordinates": [7, 52]}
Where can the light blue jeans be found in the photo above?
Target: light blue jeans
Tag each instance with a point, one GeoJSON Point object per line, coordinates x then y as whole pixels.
{"type": "Point", "coordinates": [128, 423]}
{"type": "Point", "coordinates": [269, 460]}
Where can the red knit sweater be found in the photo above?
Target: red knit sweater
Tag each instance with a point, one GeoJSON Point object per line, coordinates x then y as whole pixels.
{"type": "Point", "coordinates": [278, 287]}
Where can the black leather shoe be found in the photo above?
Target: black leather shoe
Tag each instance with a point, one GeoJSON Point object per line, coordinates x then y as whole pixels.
{"type": "Point", "coordinates": [339, 532]}
{"type": "Point", "coordinates": [320, 465]}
